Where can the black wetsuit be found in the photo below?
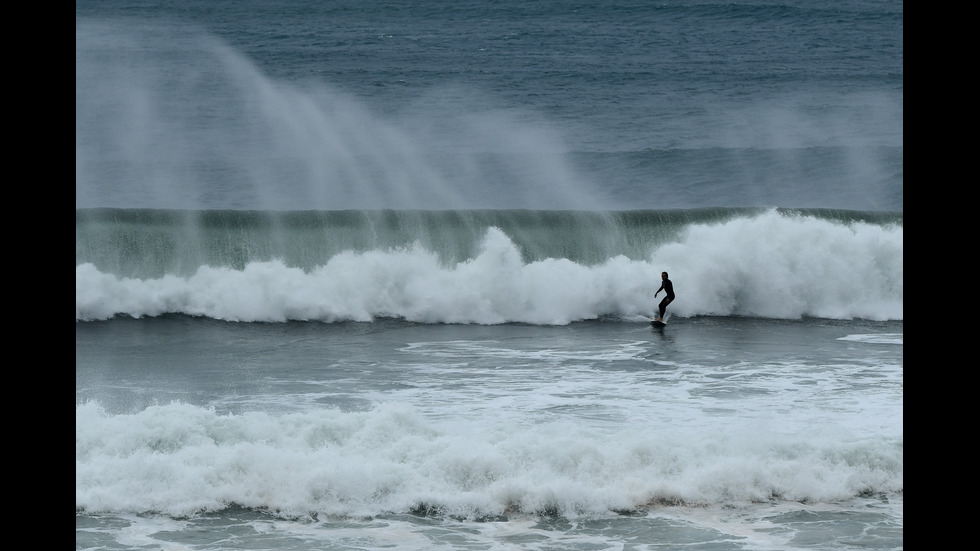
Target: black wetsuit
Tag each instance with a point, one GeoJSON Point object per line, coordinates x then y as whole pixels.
{"type": "Point", "coordinates": [669, 288]}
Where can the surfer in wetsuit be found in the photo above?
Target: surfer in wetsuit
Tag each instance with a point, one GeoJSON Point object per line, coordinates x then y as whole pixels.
{"type": "Point", "coordinates": [667, 287]}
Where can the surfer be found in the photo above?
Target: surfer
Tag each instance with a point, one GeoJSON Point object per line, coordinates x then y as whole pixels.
{"type": "Point", "coordinates": [667, 287]}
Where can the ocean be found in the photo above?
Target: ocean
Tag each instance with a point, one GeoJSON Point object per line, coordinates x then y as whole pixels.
{"type": "Point", "coordinates": [380, 275]}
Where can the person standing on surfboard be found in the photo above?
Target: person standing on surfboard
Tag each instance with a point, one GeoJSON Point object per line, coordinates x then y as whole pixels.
{"type": "Point", "coordinates": [668, 287]}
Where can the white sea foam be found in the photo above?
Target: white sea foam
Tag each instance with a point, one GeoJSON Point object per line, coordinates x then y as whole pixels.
{"type": "Point", "coordinates": [771, 265]}
{"type": "Point", "coordinates": [878, 338]}
{"type": "Point", "coordinates": [182, 459]}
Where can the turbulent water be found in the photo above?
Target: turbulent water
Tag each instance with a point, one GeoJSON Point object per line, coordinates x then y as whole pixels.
{"type": "Point", "coordinates": [548, 267]}
{"type": "Point", "coordinates": [380, 275]}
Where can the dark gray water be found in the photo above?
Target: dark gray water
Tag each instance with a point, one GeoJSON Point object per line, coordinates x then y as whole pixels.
{"type": "Point", "coordinates": [470, 364]}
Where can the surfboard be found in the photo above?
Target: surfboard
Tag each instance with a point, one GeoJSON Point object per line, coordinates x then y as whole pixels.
{"type": "Point", "coordinates": [658, 323]}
